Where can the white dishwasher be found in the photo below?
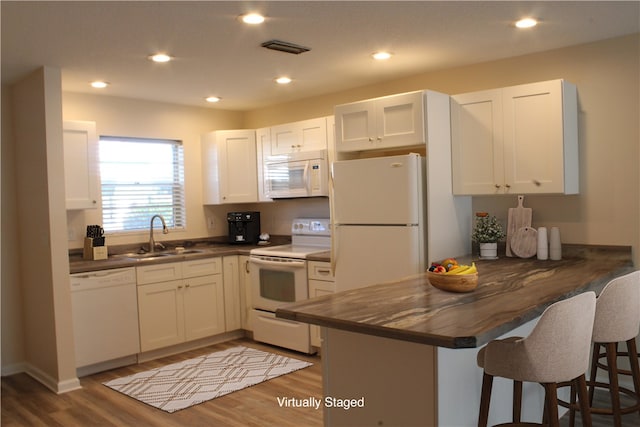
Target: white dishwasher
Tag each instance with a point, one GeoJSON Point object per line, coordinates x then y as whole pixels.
{"type": "Point", "coordinates": [105, 315]}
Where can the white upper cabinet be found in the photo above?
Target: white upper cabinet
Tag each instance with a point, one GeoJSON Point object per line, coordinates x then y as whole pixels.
{"type": "Point", "coordinates": [380, 123]}
{"type": "Point", "coordinates": [477, 143]}
{"type": "Point", "coordinates": [516, 140]}
{"type": "Point", "coordinates": [81, 172]}
{"type": "Point", "coordinates": [305, 135]}
{"type": "Point", "coordinates": [229, 167]}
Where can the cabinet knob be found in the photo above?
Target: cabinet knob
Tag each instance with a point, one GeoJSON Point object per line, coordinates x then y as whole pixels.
{"type": "Point", "coordinates": [508, 185]}
{"type": "Point", "coordinates": [497, 186]}
{"type": "Point", "coordinates": [187, 285]}
{"type": "Point", "coordinates": [94, 201]}
{"type": "Point", "coordinates": [179, 286]}
{"type": "Point", "coordinates": [536, 182]}
{"type": "Point", "coordinates": [370, 139]}
{"type": "Point", "coordinates": [379, 138]}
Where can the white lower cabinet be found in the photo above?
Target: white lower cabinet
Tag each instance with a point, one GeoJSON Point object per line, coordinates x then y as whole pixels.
{"type": "Point", "coordinates": [245, 293]}
{"type": "Point", "coordinates": [180, 302]}
{"type": "Point", "coordinates": [321, 282]}
{"type": "Point", "coordinates": [233, 311]}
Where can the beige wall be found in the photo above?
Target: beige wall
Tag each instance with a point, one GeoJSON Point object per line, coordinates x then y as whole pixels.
{"type": "Point", "coordinates": [605, 212]}
{"type": "Point", "coordinates": [134, 118]}
{"type": "Point", "coordinates": [606, 74]}
{"type": "Point", "coordinates": [12, 337]}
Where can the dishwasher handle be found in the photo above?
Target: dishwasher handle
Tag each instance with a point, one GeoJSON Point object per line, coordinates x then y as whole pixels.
{"type": "Point", "coordinates": [103, 278]}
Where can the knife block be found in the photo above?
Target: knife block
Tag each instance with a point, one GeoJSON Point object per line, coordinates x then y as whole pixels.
{"type": "Point", "coordinates": [92, 252]}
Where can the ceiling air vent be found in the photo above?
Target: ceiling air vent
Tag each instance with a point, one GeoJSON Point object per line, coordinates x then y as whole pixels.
{"type": "Point", "coordinates": [285, 47]}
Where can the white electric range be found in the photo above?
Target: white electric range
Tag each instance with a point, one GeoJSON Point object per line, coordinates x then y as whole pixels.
{"type": "Point", "coordinates": [279, 277]}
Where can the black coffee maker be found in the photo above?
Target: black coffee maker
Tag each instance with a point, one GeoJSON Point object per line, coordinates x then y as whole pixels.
{"type": "Point", "coordinates": [244, 227]}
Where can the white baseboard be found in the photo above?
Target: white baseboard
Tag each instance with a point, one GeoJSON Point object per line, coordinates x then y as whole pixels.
{"type": "Point", "coordinates": [14, 368]}
{"type": "Point", "coordinates": [51, 383]}
{"type": "Point", "coordinates": [105, 366]}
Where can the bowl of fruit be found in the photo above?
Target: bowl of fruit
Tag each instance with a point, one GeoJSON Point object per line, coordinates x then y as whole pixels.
{"type": "Point", "coordinates": [450, 276]}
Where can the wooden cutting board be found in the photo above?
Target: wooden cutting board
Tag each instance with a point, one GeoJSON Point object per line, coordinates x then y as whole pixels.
{"type": "Point", "coordinates": [518, 217]}
{"type": "Point", "coordinates": [525, 242]}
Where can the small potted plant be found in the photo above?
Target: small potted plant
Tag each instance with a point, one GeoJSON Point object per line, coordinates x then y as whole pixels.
{"type": "Point", "coordinates": [487, 231]}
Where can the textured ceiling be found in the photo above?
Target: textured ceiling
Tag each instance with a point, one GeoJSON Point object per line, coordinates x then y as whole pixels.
{"type": "Point", "coordinates": [215, 54]}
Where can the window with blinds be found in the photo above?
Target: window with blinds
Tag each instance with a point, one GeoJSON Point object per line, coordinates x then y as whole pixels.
{"type": "Point", "coordinates": [141, 178]}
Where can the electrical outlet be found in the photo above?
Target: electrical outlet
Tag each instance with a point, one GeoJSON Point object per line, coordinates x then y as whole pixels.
{"type": "Point", "coordinates": [71, 234]}
{"type": "Point", "coordinates": [211, 224]}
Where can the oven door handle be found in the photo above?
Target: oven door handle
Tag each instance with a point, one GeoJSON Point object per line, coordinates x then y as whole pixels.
{"type": "Point", "coordinates": [287, 264]}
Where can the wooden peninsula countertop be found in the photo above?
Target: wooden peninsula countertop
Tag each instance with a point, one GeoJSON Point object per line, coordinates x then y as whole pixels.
{"type": "Point", "coordinates": [511, 292]}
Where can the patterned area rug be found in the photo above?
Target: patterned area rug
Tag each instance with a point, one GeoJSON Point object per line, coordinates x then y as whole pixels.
{"type": "Point", "coordinates": [180, 385]}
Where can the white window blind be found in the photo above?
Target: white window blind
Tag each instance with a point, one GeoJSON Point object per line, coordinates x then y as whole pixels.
{"type": "Point", "coordinates": [141, 178]}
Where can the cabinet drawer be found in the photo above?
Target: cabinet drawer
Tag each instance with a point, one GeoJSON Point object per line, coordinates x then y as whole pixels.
{"type": "Point", "coordinates": [319, 270]}
{"type": "Point", "coordinates": [202, 267]}
{"type": "Point", "coordinates": [158, 273]}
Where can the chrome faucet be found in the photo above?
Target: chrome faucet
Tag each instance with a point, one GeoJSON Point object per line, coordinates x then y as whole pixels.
{"type": "Point", "coordinates": [165, 230]}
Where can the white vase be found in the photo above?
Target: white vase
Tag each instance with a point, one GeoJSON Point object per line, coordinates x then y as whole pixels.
{"type": "Point", "coordinates": [489, 250]}
{"type": "Point", "coordinates": [555, 246]}
{"type": "Point", "coordinates": [543, 243]}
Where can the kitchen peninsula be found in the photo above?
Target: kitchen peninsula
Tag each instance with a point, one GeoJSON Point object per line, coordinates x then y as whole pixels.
{"type": "Point", "coordinates": [409, 349]}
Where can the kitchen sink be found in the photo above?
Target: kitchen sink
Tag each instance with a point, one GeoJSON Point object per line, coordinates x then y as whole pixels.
{"type": "Point", "coordinates": [154, 255]}
{"type": "Point", "coordinates": [186, 252]}
{"type": "Point", "coordinates": [146, 255]}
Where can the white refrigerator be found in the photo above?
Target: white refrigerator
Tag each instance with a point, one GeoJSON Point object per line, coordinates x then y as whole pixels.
{"type": "Point", "coordinates": [379, 217]}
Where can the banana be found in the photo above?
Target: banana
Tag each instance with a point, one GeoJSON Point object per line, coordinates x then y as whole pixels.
{"type": "Point", "coordinates": [470, 270]}
{"type": "Point", "coordinates": [460, 270]}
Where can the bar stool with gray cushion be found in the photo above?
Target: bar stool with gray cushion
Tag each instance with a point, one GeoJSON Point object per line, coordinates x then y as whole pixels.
{"type": "Point", "coordinates": [556, 350]}
{"type": "Point", "coordinates": [617, 320]}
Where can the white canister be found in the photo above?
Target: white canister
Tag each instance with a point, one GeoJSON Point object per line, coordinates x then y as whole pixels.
{"type": "Point", "coordinates": [543, 243]}
{"type": "Point", "coordinates": [555, 246]}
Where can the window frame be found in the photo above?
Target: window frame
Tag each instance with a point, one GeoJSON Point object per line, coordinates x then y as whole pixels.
{"type": "Point", "coordinates": [174, 186]}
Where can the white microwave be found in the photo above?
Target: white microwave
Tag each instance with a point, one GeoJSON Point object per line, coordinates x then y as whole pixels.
{"type": "Point", "coordinates": [302, 174]}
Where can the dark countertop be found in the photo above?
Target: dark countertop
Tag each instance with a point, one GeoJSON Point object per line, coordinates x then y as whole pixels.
{"type": "Point", "coordinates": [511, 292]}
{"type": "Point", "coordinates": [207, 248]}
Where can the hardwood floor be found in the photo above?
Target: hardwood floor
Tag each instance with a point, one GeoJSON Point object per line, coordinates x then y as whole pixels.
{"type": "Point", "coordinates": [25, 402]}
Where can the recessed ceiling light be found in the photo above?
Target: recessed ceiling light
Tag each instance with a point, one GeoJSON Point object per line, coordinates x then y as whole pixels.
{"type": "Point", "coordinates": [253, 18]}
{"type": "Point", "coordinates": [283, 80]}
{"type": "Point", "coordinates": [381, 56]}
{"type": "Point", "coordinates": [526, 23]}
{"type": "Point", "coordinates": [213, 99]}
{"type": "Point", "coordinates": [160, 57]}
{"type": "Point", "coordinates": [99, 84]}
